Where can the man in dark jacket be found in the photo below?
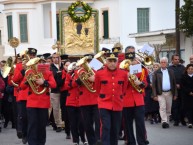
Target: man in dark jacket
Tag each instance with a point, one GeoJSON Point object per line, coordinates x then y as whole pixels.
{"type": "Point", "coordinates": [164, 90]}
{"type": "Point", "coordinates": [177, 111]}
{"type": "Point", "coordinates": [55, 92]}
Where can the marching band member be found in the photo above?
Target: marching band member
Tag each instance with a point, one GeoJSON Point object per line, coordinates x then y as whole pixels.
{"type": "Point", "coordinates": [64, 94]}
{"type": "Point", "coordinates": [111, 84]}
{"type": "Point", "coordinates": [73, 109]}
{"type": "Point", "coordinates": [21, 101]}
{"type": "Point", "coordinates": [89, 110]}
{"type": "Point", "coordinates": [37, 103]}
{"type": "Point", "coordinates": [134, 105]}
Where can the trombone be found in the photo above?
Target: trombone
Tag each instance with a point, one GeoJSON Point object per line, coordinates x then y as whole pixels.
{"type": "Point", "coordinates": [147, 59]}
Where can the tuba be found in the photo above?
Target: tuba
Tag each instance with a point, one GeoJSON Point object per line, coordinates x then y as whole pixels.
{"type": "Point", "coordinates": [100, 57]}
{"type": "Point", "coordinates": [31, 77]}
{"type": "Point", "coordinates": [132, 78]}
{"type": "Point", "coordinates": [84, 73]}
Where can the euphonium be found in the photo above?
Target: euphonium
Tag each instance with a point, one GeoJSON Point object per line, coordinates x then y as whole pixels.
{"type": "Point", "coordinates": [84, 73]}
{"type": "Point", "coordinates": [100, 57]}
{"type": "Point", "coordinates": [132, 78]}
{"type": "Point", "coordinates": [32, 76]}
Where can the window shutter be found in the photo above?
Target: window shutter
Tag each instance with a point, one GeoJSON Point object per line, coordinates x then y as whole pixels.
{"type": "Point", "coordinates": [9, 27]}
{"type": "Point", "coordinates": [142, 20]}
{"type": "Point", "coordinates": [23, 28]}
{"type": "Point", "coordinates": [106, 24]}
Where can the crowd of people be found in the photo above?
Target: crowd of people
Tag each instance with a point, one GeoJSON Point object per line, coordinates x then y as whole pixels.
{"type": "Point", "coordinates": [95, 107]}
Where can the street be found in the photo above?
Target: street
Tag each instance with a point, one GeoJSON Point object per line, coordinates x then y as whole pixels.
{"type": "Point", "coordinates": [156, 135]}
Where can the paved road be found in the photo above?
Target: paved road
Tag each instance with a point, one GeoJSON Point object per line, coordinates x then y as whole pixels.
{"type": "Point", "coordinates": [156, 135]}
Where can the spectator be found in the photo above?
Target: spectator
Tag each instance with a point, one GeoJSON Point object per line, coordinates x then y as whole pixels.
{"type": "Point", "coordinates": [164, 89]}
{"type": "Point", "coordinates": [187, 95]}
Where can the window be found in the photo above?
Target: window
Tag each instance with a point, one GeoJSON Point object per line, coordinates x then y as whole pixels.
{"type": "Point", "coordinates": [9, 27]}
{"type": "Point", "coordinates": [105, 24]}
{"type": "Point", "coordinates": [142, 20]}
{"type": "Point", "coordinates": [23, 28]}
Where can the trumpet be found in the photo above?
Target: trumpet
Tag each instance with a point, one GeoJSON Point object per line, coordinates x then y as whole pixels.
{"type": "Point", "coordinates": [84, 73]}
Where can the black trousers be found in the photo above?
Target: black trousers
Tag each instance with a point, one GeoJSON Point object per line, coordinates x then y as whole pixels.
{"type": "Point", "coordinates": [37, 120]}
{"type": "Point", "coordinates": [111, 121]}
{"type": "Point", "coordinates": [64, 112]}
{"type": "Point", "coordinates": [178, 111]}
{"type": "Point", "coordinates": [76, 124]}
{"type": "Point", "coordinates": [189, 114]}
{"type": "Point", "coordinates": [22, 118]}
{"type": "Point", "coordinates": [136, 113]}
{"type": "Point", "coordinates": [90, 115]}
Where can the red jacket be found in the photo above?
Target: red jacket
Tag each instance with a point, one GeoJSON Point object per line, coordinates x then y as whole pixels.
{"type": "Point", "coordinates": [42, 100]}
{"type": "Point", "coordinates": [63, 80]}
{"type": "Point", "coordinates": [14, 78]}
{"type": "Point", "coordinates": [134, 98]}
{"type": "Point", "coordinates": [73, 92]}
{"type": "Point", "coordinates": [2, 87]}
{"type": "Point", "coordinates": [111, 87]}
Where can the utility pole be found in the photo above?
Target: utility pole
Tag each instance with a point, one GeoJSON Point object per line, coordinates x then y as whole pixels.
{"type": "Point", "coordinates": [177, 28]}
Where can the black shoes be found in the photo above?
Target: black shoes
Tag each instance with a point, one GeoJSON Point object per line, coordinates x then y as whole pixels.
{"type": "Point", "coordinates": [24, 140]}
{"type": "Point", "coordinates": [19, 134]}
{"type": "Point", "coordinates": [176, 124]}
{"type": "Point", "coordinates": [68, 137]}
{"type": "Point", "coordinates": [165, 125]}
{"type": "Point", "coordinates": [59, 129]}
{"type": "Point", "coordinates": [190, 126]}
{"type": "Point", "coordinates": [5, 125]}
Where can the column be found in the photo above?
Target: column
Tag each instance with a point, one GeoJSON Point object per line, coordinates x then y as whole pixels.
{"type": "Point", "coordinates": [54, 29]}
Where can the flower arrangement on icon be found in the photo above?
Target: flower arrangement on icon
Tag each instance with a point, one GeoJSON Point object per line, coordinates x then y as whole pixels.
{"type": "Point", "coordinates": [79, 19]}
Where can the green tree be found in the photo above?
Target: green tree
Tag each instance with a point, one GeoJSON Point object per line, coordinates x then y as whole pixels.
{"type": "Point", "coordinates": [186, 18]}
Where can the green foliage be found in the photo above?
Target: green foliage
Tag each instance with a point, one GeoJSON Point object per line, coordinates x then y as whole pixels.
{"type": "Point", "coordinates": [186, 18]}
{"type": "Point", "coordinates": [74, 16]}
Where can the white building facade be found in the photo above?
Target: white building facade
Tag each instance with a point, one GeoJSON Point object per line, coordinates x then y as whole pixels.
{"type": "Point", "coordinates": [130, 22]}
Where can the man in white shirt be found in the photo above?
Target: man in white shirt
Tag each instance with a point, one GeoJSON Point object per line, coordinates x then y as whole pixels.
{"type": "Point", "coordinates": [164, 90]}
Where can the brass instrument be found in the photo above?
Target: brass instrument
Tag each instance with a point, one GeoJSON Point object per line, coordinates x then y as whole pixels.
{"type": "Point", "coordinates": [100, 57]}
{"type": "Point", "coordinates": [14, 42]}
{"type": "Point", "coordinates": [8, 67]}
{"type": "Point", "coordinates": [84, 73]}
{"type": "Point", "coordinates": [31, 77]}
{"type": "Point", "coordinates": [132, 78]}
{"type": "Point", "coordinates": [148, 60]}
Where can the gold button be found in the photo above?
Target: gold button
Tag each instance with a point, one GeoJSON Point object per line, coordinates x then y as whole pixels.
{"type": "Point", "coordinates": [113, 90]}
{"type": "Point", "coordinates": [112, 77]}
{"type": "Point", "coordinates": [113, 83]}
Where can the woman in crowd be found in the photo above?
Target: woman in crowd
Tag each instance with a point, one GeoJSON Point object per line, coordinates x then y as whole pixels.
{"type": "Point", "coordinates": [187, 93]}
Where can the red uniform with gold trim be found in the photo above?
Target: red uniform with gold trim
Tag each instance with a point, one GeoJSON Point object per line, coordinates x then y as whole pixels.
{"type": "Point", "coordinates": [132, 97]}
{"type": "Point", "coordinates": [43, 100]}
{"type": "Point", "coordinates": [73, 92]}
{"type": "Point", "coordinates": [86, 97]}
{"type": "Point", "coordinates": [111, 87]}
